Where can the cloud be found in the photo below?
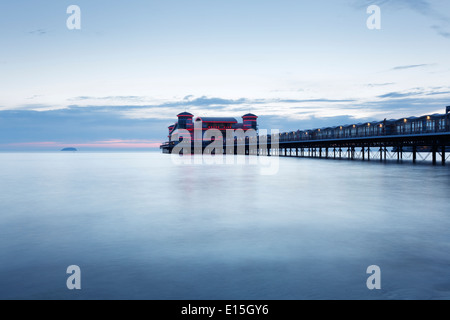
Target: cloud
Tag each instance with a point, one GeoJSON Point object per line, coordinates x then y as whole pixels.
{"type": "Point", "coordinates": [406, 106]}
{"type": "Point", "coordinates": [108, 144]}
{"type": "Point", "coordinates": [380, 84]}
{"type": "Point", "coordinates": [412, 66]}
{"type": "Point", "coordinates": [33, 97]}
{"type": "Point", "coordinates": [440, 30]}
{"type": "Point", "coordinates": [77, 125]}
{"type": "Point", "coordinates": [416, 92]}
{"type": "Point", "coordinates": [423, 7]}
{"type": "Point", "coordinates": [38, 32]}
{"type": "Point", "coordinates": [120, 98]}
{"type": "Point", "coordinates": [142, 126]}
{"type": "Point", "coordinates": [205, 101]}
{"type": "Point", "coordinates": [436, 93]}
{"type": "Point", "coordinates": [316, 100]}
{"type": "Point", "coordinates": [37, 106]}
{"type": "Point", "coordinates": [188, 101]}
{"type": "Point", "coordinates": [398, 95]}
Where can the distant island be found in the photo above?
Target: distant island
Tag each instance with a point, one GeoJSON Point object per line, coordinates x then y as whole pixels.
{"type": "Point", "coordinates": [69, 149]}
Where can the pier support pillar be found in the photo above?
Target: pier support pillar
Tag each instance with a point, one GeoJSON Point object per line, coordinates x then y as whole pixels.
{"type": "Point", "coordinates": [363, 153]}
{"type": "Point", "coordinates": [443, 155]}
{"type": "Point", "coordinates": [414, 155]}
{"type": "Point", "coordinates": [434, 151]}
{"type": "Point", "coordinates": [368, 153]}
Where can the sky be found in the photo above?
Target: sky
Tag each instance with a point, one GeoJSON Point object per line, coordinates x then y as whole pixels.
{"type": "Point", "coordinates": [120, 80]}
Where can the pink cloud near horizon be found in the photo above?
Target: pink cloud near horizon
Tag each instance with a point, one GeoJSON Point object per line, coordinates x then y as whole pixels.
{"type": "Point", "coordinates": [107, 144]}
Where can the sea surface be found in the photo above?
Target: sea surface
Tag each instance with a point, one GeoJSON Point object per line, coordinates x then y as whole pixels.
{"type": "Point", "coordinates": [140, 226]}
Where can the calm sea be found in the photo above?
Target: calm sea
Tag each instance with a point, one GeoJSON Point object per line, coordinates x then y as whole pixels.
{"type": "Point", "coordinates": [141, 227]}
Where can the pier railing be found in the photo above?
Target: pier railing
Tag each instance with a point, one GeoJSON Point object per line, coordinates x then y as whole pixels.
{"type": "Point", "coordinates": [408, 126]}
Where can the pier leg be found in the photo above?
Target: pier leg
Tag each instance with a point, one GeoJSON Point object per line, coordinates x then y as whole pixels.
{"type": "Point", "coordinates": [381, 154]}
{"type": "Point", "coordinates": [334, 153]}
{"type": "Point", "coordinates": [320, 152]}
{"type": "Point", "coordinates": [296, 152]}
{"type": "Point", "coordinates": [368, 153]}
{"type": "Point", "coordinates": [434, 155]}
{"type": "Point", "coordinates": [414, 154]}
{"type": "Point", "coordinates": [326, 153]}
{"type": "Point", "coordinates": [340, 153]}
{"type": "Point", "coordinates": [363, 154]}
{"type": "Point", "coordinates": [443, 155]}
{"type": "Point", "coordinates": [385, 153]}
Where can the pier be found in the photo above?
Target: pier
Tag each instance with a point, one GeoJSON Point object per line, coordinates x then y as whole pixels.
{"type": "Point", "coordinates": [408, 139]}
{"type": "Point", "coordinates": [416, 147]}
